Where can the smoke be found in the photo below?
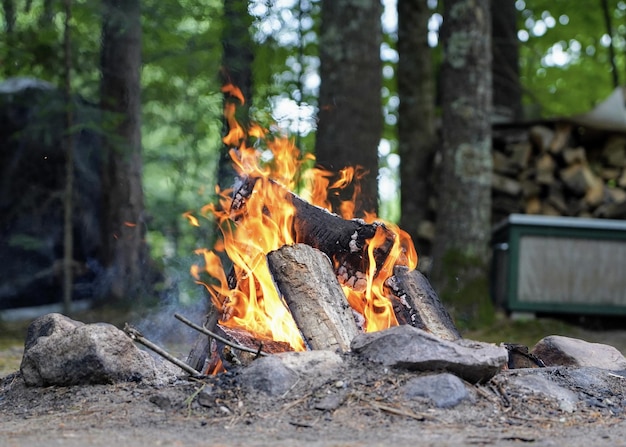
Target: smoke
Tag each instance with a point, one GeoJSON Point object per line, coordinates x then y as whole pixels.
{"type": "Point", "coordinates": [183, 296]}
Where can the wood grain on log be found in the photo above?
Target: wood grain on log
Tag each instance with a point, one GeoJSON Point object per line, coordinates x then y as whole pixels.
{"type": "Point", "coordinates": [419, 305]}
{"type": "Point", "coordinates": [307, 281]}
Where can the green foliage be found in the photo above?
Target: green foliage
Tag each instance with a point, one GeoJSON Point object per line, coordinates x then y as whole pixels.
{"type": "Point", "coordinates": [564, 67]}
{"type": "Point", "coordinates": [564, 64]}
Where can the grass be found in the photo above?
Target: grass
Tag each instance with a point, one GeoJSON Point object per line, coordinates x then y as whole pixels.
{"type": "Point", "coordinates": [523, 331]}
{"type": "Point", "coordinates": [529, 331]}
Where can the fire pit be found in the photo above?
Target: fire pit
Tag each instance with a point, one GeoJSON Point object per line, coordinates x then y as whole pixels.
{"type": "Point", "coordinates": [281, 286]}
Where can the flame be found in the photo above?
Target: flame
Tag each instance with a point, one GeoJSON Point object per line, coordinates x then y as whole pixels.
{"type": "Point", "coordinates": [261, 220]}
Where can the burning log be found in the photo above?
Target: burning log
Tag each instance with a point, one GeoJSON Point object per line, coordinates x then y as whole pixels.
{"type": "Point", "coordinates": [340, 239]}
{"type": "Point", "coordinates": [418, 305]}
{"type": "Point", "coordinates": [201, 349]}
{"type": "Point", "coordinates": [306, 280]}
{"type": "Point", "coordinates": [236, 346]}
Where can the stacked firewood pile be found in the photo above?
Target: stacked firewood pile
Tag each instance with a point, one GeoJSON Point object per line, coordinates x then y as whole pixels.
{"type": "Point", "coordinates": [559, 169]}
{"type": "Point", "coordinates": [550, 168]}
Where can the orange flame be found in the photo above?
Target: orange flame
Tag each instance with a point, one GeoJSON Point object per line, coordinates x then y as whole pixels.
{"type": "Point", "coordinates": [265, 223]}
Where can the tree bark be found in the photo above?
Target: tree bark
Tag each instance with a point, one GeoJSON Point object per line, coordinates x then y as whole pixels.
{"type": "Point", "coordinates": [419, 305]}
{"type": "Point", "coordinates": [237, 61]}
{"type": "Point", "coordinates": [124, 249]}
{"type": "Point", "coordinates": [417, 138]}
{"type": "Point", "coordinates": [350, 104]}
{"type": "Point", "coordinates": [507, 91]}
{"type": "Point", "coordinates": [68, 199]}
{"type": "Point", "coordinates": [461, 251]}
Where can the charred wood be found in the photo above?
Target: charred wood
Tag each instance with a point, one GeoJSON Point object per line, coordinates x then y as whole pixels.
{"type": "Point", "coordinates": [344, 241]}
{"type": "Point", "coordinates": [418, 305]}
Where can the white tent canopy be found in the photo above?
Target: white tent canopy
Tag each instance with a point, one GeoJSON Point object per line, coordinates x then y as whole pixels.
{"type": "Point", "coordinates": [609, 115]}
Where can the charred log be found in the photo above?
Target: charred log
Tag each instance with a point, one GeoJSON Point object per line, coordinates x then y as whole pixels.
{"type": "Point", "coordinates": [232, 356]}
{"type": "Point", "coordinates": [418, 305]}
{"type": "Point", "coordinates": [344, 241]}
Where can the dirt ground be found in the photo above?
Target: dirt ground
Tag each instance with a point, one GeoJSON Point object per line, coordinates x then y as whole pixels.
{"type": "Point", "coordinates": [366, 409]}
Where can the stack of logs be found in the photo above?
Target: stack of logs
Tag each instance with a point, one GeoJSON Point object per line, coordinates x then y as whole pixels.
{"type": "Point", "coordinates": [559, 170]}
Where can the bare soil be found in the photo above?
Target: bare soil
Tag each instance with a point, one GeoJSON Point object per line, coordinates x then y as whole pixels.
{"type": "Point", "coordinates": [361, 406]}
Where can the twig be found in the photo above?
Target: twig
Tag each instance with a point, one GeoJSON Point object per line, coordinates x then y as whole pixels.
{"type": "Point", "coordinates": [227, 342]}
{"type": "Point", "coordinates": [135, 335]}
{"type": "Point", "coordinates": [190, 399]}
{"type": "Point", "coordinates": [295, 402]}
{"type": "Point", "coordinates": [397, 411]}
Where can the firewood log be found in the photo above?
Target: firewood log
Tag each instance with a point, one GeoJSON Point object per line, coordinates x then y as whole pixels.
{"type": "Point", "coordinates": [307, 281]}
{"type": "Point", "coordinates": [417, 304]}
{"type": "Point", "coordinates": [541, 136]}
{"type": "Point", "coordinates": [562, 135]}
{"type": "Point", "coordinates": [342, 240]}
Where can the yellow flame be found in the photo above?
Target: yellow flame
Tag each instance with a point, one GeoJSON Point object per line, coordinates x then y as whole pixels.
{"type": "Point", "coordinates": [265, 223]}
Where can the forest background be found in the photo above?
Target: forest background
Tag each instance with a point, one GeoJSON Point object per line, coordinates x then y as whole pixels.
{"type": "Point", "coordinates": [157, 68]}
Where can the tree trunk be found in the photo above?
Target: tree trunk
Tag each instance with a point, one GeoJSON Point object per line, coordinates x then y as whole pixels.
{"type": "Point", "coordinates": [416, 117]}
{"type": "Point", "coordinates": [507, 91]}
{"type": "Point", "coordinates": [124, 249]}
{"type": "Point", "coordinates": [460, 252]}
{"type": "Point", "coordinates": [237, 70]}
{"type": "Point", "coordinates": [68, 202]}
{"type": "Point", "coordinates": [350, 104]}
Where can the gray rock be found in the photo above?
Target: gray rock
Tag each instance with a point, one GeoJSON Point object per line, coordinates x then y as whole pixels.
{"type": "Point", "coordinates": [556, 350]}
{"type": "Point", "coordinates": [48, 325]}
{"type": "Point", "coordinates": [540, 385]}
{"type": "Point", "coordinates": [330, 402]}
{"type": "Point", "coordinates": [444, 390]}
{"type": "Point", "coordinates": [411, 348]}
{"type": "Point", "coordinates": [320, 362]}
{"type": "Point", "coordinates": [61, 351]}
{"type": "Point", "coordinates": [278, 373]}
{"type": "Point", "coordinates": [269, 374]}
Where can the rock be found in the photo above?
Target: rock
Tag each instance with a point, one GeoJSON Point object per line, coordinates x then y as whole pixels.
{"type": "Point", "coordinates": [444, 390]}
{"type": "Point", "coordinates": [61, 351]}
{"type": "Point", "coordinates": [269, 374]}
{"type": "Point", "coordinates": [411, 348]}
{"type": "Point", "coordinates": [318, 362]}
{"type": "Point", "coordinates": [556, 350]}
{"type": "Point", "coordinates": [48, 325]}
{"type": "Point", "coordinates": [540, 385]}
{"type": "Point", "coordinates": [330, 402]}
{"type": "Point", "coordinates": [278, 373]}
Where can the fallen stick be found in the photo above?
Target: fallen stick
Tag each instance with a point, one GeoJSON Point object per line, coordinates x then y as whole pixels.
{"type": "Point", "coordinates": [398, 411]}
{"type": "Point", "coordinates": [217, 337]}
{"type": "Point", "coordinates": [135, 335]}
